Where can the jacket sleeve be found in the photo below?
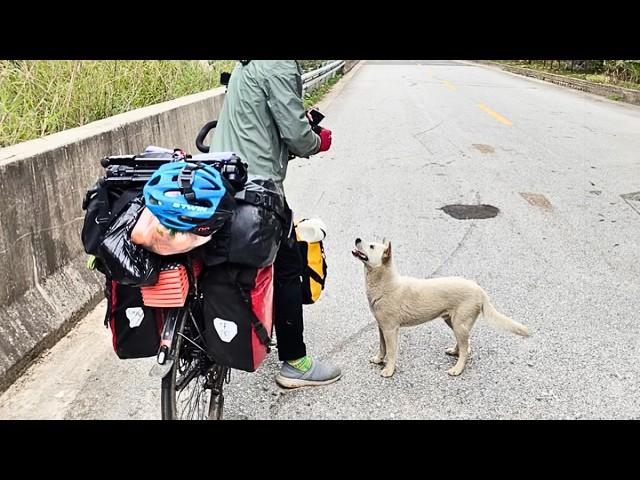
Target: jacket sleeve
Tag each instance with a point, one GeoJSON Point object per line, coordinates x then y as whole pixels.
{"type": "Point", "coordinates": [288, 112]}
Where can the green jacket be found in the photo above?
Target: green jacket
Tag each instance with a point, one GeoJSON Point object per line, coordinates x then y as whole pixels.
{"type": "Point", "coordinates": [263, 118]}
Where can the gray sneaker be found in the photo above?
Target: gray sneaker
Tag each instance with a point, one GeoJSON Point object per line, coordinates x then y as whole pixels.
{"type": "Point", "coordinates": [319, 374]}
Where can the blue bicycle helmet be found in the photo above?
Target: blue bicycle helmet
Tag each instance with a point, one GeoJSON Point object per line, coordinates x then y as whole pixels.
{"type": "Point", "coordinates": [189, 197]}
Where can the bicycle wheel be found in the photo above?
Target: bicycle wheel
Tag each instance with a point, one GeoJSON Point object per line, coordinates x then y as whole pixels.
{"type": "Point", "coordinates": [192, 389]}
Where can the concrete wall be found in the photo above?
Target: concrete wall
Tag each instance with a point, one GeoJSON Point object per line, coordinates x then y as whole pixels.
{"type": "Point", "coordinates": [349, 64]}
{"type": "Point", "coordinates": [44, 284]}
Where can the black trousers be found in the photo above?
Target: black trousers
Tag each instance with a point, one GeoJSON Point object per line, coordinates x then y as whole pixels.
{"type": "Point", "coordinates": [287, 299]}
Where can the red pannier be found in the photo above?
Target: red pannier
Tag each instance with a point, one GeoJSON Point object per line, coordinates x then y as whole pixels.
{"type": "Point", "coordinates": [238, 314]}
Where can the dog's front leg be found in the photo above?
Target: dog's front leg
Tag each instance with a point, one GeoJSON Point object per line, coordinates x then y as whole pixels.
{"type": "Point", "coordinates": [378, 359]}
{"type": "Point", "coordinates": [391, 344]}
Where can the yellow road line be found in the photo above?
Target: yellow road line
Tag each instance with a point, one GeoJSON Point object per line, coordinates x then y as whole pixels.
{"type": "Point", "coordinates": [450, 86]}
{"type": "Point", "coordinates": [495, 115]}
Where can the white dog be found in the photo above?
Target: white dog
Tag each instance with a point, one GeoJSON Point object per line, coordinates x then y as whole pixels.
{"type": "Point", "coordinates": [398, 301]}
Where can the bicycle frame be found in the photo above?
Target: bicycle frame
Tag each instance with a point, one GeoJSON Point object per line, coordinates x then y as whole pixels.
{"type": "Point", "coordinates": [179, 325]}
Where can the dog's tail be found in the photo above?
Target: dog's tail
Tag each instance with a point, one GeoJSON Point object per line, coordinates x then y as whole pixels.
{"type": "Point", "coordinates": [502, 321]}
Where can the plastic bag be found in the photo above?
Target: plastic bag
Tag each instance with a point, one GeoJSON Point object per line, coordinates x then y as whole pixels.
{"type": "Point", "coordinates": [311, 230]}
{"type": "Point", "coordinates": [149, 233]}
{"type": "Point", "coordinates": [126, 262]}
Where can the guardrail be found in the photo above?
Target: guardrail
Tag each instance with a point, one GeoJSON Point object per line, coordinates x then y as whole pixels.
{"type": "Point", "coordinates": [320, 75]}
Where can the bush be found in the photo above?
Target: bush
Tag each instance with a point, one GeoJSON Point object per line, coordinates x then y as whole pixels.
{"type": "Point", "coordinates": [38, 98]}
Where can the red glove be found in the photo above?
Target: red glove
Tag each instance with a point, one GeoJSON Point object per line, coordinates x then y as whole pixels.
{"type": "Point", "coordinates": [325, 140]}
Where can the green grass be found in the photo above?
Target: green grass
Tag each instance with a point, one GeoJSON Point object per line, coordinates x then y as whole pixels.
{"type": "Point", "coordinates": [38, 98]}
{"type": "Point", "coordinates": [595, 77]}
{"type": "Point", "coordinates": [314, 96]}
{"type": "Point", "coordinates": [605, 80]}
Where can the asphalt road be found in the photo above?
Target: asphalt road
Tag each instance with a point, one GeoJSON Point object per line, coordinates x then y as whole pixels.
{"type": "Point", "coordinates": [410, 137]}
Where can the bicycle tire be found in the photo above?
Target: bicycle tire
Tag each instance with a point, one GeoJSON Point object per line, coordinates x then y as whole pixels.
{"type": "Point", "coordinates": [213, 409]}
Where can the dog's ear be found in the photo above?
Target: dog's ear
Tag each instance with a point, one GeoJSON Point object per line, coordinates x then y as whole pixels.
{"type": "Point", "coordinates": [386, 256]}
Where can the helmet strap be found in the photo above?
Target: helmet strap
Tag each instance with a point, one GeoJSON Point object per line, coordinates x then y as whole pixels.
{"type": "Point", "coordinates": [185, 180]}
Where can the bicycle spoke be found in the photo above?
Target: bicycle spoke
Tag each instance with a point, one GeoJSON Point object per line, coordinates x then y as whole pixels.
{"type": "Point", "coordinates": [192, 342]}
{"type": "Point", "coordinates": [195, 380]}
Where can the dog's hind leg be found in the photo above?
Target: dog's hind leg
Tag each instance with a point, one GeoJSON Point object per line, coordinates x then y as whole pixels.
{"type": "Point", "coordinates": [391, 344]}
{"type": "Point", "coordinates": [462, 339]}
{"type": "Point", "coordinates": [378, 359]}
{"type": "Point", "coordinates": [463, 321]}
{"type": "Point", "coordinates": [453, 351]}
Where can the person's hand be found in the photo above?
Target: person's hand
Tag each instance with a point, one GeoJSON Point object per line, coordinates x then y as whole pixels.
{"type": "Point", "coordinates": [325, 139]}
{"type": "Point", "coordinates": [308, 115]}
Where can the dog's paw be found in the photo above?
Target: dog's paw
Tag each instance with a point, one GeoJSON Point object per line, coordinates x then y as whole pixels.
{"type": "Point", "coordinates": [455, 371]}
{"type": "Point", "coordinates": [377, 360]}
{"type": "Point", "coordinates": [387, 372]}
{"type": "Point", "coordinates": [453, 351]}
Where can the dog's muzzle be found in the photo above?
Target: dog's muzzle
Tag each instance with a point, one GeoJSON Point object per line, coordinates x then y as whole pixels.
{"type": "Point", "coordinates": [356, 252]}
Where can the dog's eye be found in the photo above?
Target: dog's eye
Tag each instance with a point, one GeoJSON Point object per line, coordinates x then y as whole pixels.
{"type": "Point", "coordinates": [371, 247]}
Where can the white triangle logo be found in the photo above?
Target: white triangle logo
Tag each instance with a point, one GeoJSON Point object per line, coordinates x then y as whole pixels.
{"type": "Point", "coordinates": [226, 329]}
{"type": "Point", "coordinates": [135, 316]}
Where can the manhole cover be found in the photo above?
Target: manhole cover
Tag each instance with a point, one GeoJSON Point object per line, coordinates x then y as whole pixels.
{"type": "Point", "coordinates": [470, 212]}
